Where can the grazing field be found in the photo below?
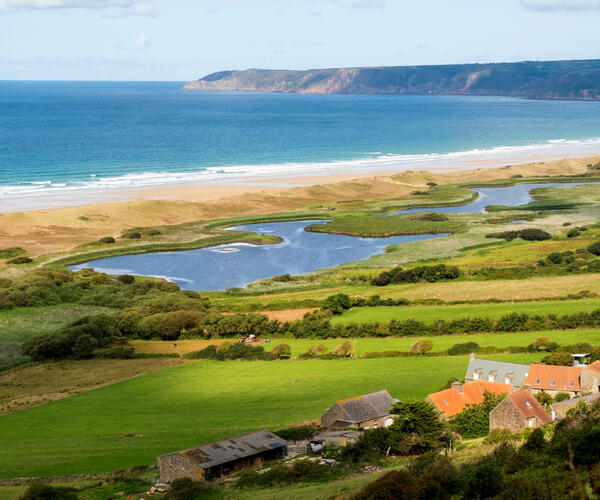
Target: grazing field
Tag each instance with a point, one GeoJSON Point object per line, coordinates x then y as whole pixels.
{"type": "Point", "coordinates": [430, 314]}
{"type": "Point", "coordinates": [20, 324]}
{"type": "Point", "coordinates": [513, 289]}
{"type": "Point", "coordinates": [134, 421]}
{"type": "Point", "coordinates": [36, 384]}
{"type": "Point", "coordinates": [362, 345]}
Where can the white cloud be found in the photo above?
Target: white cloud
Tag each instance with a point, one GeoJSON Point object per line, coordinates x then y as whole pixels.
{"type": "Point", "coordinates": [140, 42]}
{"type": "Point", "coordinates": [116, 8]}
{"type": "Point", "coordinates": [554, 5]}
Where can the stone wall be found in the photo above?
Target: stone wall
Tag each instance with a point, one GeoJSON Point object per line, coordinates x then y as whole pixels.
{"type": "Point", "coordinates": [175, 466]}
{"type": "Point", "coordinates": [590, 381]}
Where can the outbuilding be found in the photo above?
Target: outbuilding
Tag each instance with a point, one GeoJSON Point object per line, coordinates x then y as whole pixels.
{"type": "Point", "coordinates": [222, 458]}
{"type": "Point", "coordinates": [366, 411]}
{"type": "Point", "coordinates": [518, 411]}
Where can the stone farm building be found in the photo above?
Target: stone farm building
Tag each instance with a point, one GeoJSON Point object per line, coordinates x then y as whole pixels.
{"type": "Point", "coordinates": [517, 411]}
{"type": "Point", "coordinates": [222, 458]}
{"type": "Point", "coordinates": [366, 411]}
{"type": "Point", "coordinates": [496, 371]}
{"type": "Point", "coordinates": [590, 377]}
{"type": "Point", "coordinates": [554, 379]}
{"type": "Point", "coordinates": [560, 409]}
{"type": "Point", "coordinates": [454, 400]}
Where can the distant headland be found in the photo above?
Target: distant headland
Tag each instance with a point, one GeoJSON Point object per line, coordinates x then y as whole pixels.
{"type": "Point", "coordinates": [575, 79]}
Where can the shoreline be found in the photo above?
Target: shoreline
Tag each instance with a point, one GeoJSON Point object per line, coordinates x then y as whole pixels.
{"type": "Point", "coordinates": [267, 179]}
{"type": "Point", "coordinates": [191, 211]}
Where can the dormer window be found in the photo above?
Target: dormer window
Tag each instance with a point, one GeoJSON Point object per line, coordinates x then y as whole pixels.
{"type": "Point", "coordinates": [445, 402]}
{"type": "Point", "coordinates": [554, 382]}
{"type": "Point", "coordinates": [527, 404]}
{"type": "Point", "coordinates": [475, 375]}
{"type": "Point", "coordinates": [506, 380]}
{"type": "Point", "coordinates": [537, 381]}
{"type": "Point", "coordinates": [571, 384]}
{"type": "Point", "coordinates": [491, 377]}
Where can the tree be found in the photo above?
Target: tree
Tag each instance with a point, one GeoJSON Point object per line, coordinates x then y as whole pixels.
{"type": "Point", "coordinates": [536, 441]}
{"type": "Point", "coordinates": [344, 350]}
{"type": "Point", "coordinates": [337, 303]}
{"type": "Point", "coordinates": [485, 481]}
{"type": "Point", "coordinates": [558, 358]}
{"type": "Point", "coordinates": [474, 420]}
{"type": "Point", "coordinates": [421, 347]}
{"type": "Point", "coordinates": [282, 351]}
{"type": "Point", "coordinates": [544, 399]}
{"type": "Point", "coordinates": [42, 491]}
{"type": "Point", "coordinates": [418, 422]}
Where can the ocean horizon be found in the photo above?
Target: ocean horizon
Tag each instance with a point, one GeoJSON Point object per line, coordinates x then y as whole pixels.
{"type": "Point", "coordinates": [75, 138]}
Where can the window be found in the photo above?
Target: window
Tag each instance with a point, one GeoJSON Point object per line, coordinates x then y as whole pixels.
{"type": "Point", "coordinates": [388, 422]}
{"type": "Point", "coordinates": [506, 380]}
{"type": "Point", "coordinates": [475, 375]}
{"type": "Point", "coordinates": [554, 382]}
{"type": "Point", "coordinates": [491, 377]}
{"type": "Point", "coordinates": [572, 384]}
{"type": "Point", "coordinates": [527, 404]}
{"type": "Point", "coordinates": [445, 402]}
{"type": "Point", "coordinates": [537, 381]}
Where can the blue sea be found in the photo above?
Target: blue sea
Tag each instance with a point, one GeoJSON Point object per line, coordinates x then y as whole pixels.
{"type": "Point", "coordinates": [64, 137]}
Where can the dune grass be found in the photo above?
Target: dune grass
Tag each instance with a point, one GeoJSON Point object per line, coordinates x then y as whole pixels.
{"type": "Point", "coordinates": [429, 314]}
{"type": "Point", "coordinates": [132, 422]}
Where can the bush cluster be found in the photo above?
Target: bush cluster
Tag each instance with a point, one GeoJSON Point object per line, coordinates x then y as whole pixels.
{"type": "Point", "coordinates": [530, 234]}
{"type": "Point", "coordinates": [230, 351]}
{"type": "Point", "coordinates": [430, 274]}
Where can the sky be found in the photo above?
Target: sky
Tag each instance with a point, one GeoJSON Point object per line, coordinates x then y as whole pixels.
{"type": "Point", "coordinates": [181, 40]}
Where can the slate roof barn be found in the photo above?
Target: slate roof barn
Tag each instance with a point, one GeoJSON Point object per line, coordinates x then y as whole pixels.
{"type": "Point", "coordinates": [368, 410]}
{"type": "Point", "coordinates": [496, 371]}
{"type": "Point", "coordinates": [223, 457]}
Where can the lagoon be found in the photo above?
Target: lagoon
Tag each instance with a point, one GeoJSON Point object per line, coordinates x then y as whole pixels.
{"type": "Point", "coordinates": [239, 264]}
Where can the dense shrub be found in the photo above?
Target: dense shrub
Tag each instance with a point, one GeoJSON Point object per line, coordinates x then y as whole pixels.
{"type": "Point", "coordinates": [131, 234]}
{"type": "Point", "coordinates": [337, 303]}
{"type": "Point", "coordinates": [529, 234]}
{"type": "Point", "coordinates": [107, 239]}
{"type": "Point", "coordinates": [126, 279]}
{"type": "Point", "coordinates": [298, 471]}
{"type": "Point", "coordinates": [232, 351]}
{"type": "Point", "coordinates": [594, 248]}
{"type": "Point", "coordinates": [186, 489]}
{"type": "Point", "coordinates": [152, 232]}
{"type": "Point", "coordinates": [298, 432]}
{"type": "Point", "coordinates": [573, 233]}
{"type": "Point", "coordinates": [558, 358]}
{"type": "Point", "coordinates": [421, 347]}
{"type": "Point", "coordinates": [464, 348]}
{"type": "Point", "coordinates": [430, 274]}
{"type": "Point", "coordinates": [282, 351]}
{"type": "Point", "coordinates": [20, 260]}
{"type": "Point", "coordinates": [431, 217]}
{"type": "Point", "coordinates": [43, 491]}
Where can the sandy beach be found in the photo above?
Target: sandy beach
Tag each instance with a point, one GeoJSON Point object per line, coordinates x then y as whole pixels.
{"type": "Point", "coordinates": [57, 230]}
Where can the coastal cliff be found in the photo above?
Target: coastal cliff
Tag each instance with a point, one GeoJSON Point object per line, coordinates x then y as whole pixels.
{"type": "Point", "coordinates": [531, 79]}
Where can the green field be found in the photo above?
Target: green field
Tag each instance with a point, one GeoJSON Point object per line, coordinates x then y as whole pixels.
{"type": "Point", "coordinates": [443, 342]}
{"type": "Point", "coordinates": [199, 402]}
{"type": "Point", "coordinates": [429, 314]}
{"type": "Point", "coordinates": [20, 324]}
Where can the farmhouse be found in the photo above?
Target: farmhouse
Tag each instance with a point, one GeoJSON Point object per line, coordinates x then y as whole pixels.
{"type": "Point", "coordinates": [554, 379]}
{"type": "Point", "coordinates": [517, 411]}
{"type": "Point", "coordinates": [590, 377]}
{"type": "Point", "coordinates": [222, 458]}
{"type": "Point", "coordinates": [454, 400]}
{"type": "Point", "coordinates": [559, 410]}
{"type": "Point", "coordinates": [366, 411]}
{"type": "Point", "coordinates": [496, 371]}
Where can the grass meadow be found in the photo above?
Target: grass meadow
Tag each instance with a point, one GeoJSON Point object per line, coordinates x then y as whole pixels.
{"type": "Point", "coordinates": [20, 324]}
{"type": "Point", "coordinates": [134, 421]}
{"type": "Point", "coordinates": [451, 312]}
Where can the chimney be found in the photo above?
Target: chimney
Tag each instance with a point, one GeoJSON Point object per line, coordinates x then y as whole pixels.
{"type": "Point", "coordinates": [472, 358]}
{"type": "Point", "coordinates": [458, 386]}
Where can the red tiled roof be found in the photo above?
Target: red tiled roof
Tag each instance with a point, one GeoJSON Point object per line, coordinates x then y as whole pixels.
{"type": "Point", "coordinates": [594, 367]}
{"type": "Point", "coordinates": [450, 401]}
{"type": "Point", "coordinates": [558, 378]}
{"type": "Point", "coordinates": [529, 407]}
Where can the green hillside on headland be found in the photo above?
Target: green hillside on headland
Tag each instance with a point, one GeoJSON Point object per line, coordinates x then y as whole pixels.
{"type": "Point", "coordinates": [531, 79]}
